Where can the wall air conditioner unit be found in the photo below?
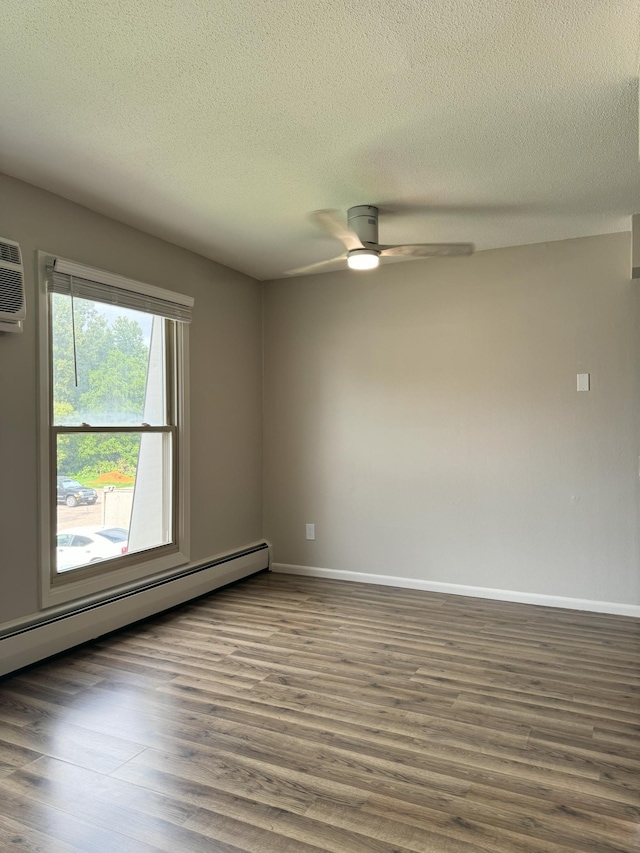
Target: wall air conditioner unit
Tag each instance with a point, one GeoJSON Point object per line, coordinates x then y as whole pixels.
{"type": "Point", "coordinates": [13, 307]}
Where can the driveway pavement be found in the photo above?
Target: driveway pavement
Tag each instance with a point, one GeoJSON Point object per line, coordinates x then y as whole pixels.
{"type": "Point", "coordinates": [80, 516]}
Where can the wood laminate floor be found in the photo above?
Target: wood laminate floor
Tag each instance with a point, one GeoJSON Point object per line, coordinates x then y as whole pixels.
{"type": "Point", "coordinates": [296, 715]}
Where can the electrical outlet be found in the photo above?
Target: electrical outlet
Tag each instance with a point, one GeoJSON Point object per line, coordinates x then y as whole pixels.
{"type": "Point", "coordinates": [311, 531]}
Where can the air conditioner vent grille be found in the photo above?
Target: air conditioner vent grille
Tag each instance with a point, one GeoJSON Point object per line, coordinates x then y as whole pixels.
{"type": "Point", "coordinates": [11, 291]}
{"type": "Point", "coordinates": [10, 253]}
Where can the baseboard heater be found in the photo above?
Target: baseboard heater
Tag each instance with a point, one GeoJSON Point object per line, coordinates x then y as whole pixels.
{"type": "Point", "coordinates": [42, 636]}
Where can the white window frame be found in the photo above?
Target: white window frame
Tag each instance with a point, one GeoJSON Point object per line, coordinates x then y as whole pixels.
{"type": "Point", "coordinates": [140, 568]}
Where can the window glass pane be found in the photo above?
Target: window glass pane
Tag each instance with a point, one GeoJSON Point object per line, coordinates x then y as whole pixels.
{"type": "Point", "coordinates": [120, 360]}
{"type": "Point", "coordinates": [113, 496]}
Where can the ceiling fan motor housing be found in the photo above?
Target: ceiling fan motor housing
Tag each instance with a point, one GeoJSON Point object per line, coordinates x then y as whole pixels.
{"type": "Point", "coordinates": [363, 219]}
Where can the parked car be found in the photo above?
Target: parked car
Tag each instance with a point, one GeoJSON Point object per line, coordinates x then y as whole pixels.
{"type": "Point", "coordinates": [79, 546]}
{"type": "Point", "coordinates": [72, 493]}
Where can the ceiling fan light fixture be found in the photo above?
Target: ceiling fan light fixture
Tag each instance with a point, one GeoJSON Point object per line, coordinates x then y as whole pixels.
{"type": "Point", "coordinates": [363, 259]}
{"type": "Point", "coordinates": [359, 236]}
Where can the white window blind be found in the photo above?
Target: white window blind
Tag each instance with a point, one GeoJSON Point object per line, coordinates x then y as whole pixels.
{"type": "Point", "coordinates": [69, 278]}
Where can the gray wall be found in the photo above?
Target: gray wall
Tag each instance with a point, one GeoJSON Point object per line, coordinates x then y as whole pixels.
{"type": "Point", "coordinates": [425, 417]}
{"type": "Point", "coordinates": [226, 377]}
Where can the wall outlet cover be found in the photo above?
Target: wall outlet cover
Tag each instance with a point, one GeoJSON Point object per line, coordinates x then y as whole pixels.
{"type": "Point", "coordinates": [584, 381]}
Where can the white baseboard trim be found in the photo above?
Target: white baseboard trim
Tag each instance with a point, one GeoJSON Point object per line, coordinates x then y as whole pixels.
{"type": "Point", "coordinates": [41, 641]}
{"type": "Point", "coordinates": [460, 589]}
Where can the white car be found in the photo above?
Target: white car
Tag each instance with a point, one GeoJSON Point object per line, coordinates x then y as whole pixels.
{"type": "Point", "coordinates": [79, 546]}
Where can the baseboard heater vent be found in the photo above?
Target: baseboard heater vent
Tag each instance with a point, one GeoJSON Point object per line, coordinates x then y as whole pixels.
{"type": "Point", "coordinates": [51, 633]}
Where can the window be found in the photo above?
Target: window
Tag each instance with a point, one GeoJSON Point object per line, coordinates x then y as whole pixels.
{"type": "Point", "coordinates": [114, 450]}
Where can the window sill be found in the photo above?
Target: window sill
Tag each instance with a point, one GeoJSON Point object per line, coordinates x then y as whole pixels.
{"type": "Point", "coordinates": [132, 575]}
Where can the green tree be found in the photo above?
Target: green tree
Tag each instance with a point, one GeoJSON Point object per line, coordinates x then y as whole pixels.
{"type": "Point", "coordinates": [94, 340]}
{"type": "Point", "coordinates": [112, 364]}
{"type": "Point", "coordinates": [62, 413]}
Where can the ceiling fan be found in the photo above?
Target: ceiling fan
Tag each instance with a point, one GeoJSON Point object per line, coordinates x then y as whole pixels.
{"type": "Point", "coordinates": [359, 234]}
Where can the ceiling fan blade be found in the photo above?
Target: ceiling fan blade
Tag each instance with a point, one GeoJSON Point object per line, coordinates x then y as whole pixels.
{"type": "Point", "coordinates": [332, 222]}
{"type": "Point", "coordinates": [428, 250]}
{"type": "Point", "coordinates": [319, 267]}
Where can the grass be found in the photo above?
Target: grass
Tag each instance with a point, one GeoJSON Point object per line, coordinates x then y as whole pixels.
{"type": "Point", "coordinates": [99, 484]}
{"type": "Point", "coordinates": [113, 478]}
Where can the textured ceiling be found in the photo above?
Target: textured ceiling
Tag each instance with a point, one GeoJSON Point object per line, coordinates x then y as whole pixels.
{"type": "Point", "coordinates": [218, 125]}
